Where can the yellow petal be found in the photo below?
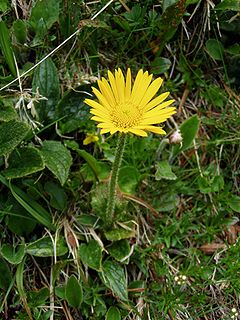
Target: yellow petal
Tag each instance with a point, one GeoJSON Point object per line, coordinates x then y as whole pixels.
{"type": "Point", "coordinates": [104, 131]}
{"type": "Point", "coordinates": [93, 104]}
{"type": "Point", "coordinates": [159, 112]}
{"type": "Point", "coordinates": [151, 91]}
{"type": "Point", "coordinates": [160, 109]}
{"type": "Point", "coordinates": [137, 82]}
{"type": "Point", "coordinates": [113, 86]}
{"type": "Point", "coordinates": [142, 89]}
{"type": "Point", "coordinates": [138, 132]}
{"type": "Point", "coordinates": [154, 129]}
{"type": "Point", "coordinates": [156, 101]}
{"type": "Point", "coordinates": [120, 83]}
{"type": "Point", "coordinates": [107, 91]}
{"type": "Point", "coordinates": [103, 101]}
{"type": "Point", "coordinates": [128, 84]}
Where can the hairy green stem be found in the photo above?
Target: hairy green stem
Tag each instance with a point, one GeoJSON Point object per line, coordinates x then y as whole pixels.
{"type": "Point", "coordinates": [114, 179]}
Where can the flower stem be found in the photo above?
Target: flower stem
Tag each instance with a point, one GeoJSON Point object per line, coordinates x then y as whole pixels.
{"type": "Point", "coordinates": [114, 179]}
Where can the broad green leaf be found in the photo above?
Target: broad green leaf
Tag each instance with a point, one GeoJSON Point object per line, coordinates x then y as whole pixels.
{"type": "Point", "coordinates": [128, 179]}
{"type": "Point", "coordinates": [5, 275]}
{"type": "Point", "coordinates": [38, 298]}
{"type": "Point", "coordinates": [204, 185]}
{"type": "Point", "coordinates": [160, 65]}
{"type": "Point", "coordinates": [113, 313]}
{"type": "Point", "coordinates": [11, 134]}
{"type": "Point", "coordinates": [74, 110]}
{"type": "Point", "coordinates": [46, 10]}
{"type": "Point", "coordinates": [87, 220]}
{"type": "Point", "coordinates": [20, 30]}
{"type": "Point", "coordinates": [7, 111]}
{"type": "Point", "coordinates": [13, 254]}
{"type": "Point", "coordinates": [188, 129]}
{"type": "Point", "coordinates": [168, 3]}
{"type": "Point", "coordinates": [73, 293]}
{"type": "Point", "coordinates": [91, 161]}
{"type": "Point", "coordinates": [215, 49]}
{"type": "Point", "coordinates": [164, 171]}
{"type": "Point", "coordinates": [35, 210]}
{"type": "Point", "coordinates": [44, 247]}
{"type": "Point", "coordinates": [57, 159]}
{"type": "Point", "coordinates": [24, 161]}
{"type": "Point", "coordinates": [228, 5]}
{"type": "Point", "coordinates": [119, 250]}
{"type": "Point", "coordinates": [113, 276]}
{"type": "Point", "coordinates": [4, 5]}
{"type": "Point", "coordinates": [6, 47]}
{"type": "Point", "coordinates": [121, 233]}
{"type": "Point", "coordinates": [234, 203]}
{"type": "Point", "coordinates": [91, 254]}
{"type": "Point", "coordinates": [18, 220]}
{"type": "Point", "coordinates": [46, 81]}
{"type": "Point", "coordinates": [57, 194]}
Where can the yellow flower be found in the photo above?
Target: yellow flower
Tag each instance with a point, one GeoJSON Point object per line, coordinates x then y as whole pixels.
{"type": "Point", "coordinates": [90, 138]}
{"type": "Point", "coordinates": [126, 108]}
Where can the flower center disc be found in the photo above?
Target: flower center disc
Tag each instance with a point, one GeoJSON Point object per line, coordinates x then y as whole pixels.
{"type": "Point", "coordinates": [126, 115]}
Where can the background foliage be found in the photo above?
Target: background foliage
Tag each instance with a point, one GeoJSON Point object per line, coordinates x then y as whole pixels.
{"type": "Point", "coordinates": [174, 252]}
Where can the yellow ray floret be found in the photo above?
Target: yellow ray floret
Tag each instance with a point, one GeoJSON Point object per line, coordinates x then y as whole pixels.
{"type": "Point", "coordinates": [124, 107]}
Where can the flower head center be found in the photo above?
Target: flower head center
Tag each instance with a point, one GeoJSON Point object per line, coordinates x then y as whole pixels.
{"type": "Point", "coordinates": [126, 115]}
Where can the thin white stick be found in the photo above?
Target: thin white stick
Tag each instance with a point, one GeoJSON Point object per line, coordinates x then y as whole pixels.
{"type": "Point", "coordinates": [54, 50]}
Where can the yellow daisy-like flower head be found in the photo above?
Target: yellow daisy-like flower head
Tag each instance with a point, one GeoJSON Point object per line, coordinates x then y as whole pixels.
{"type": "Point", "coordinates": [126, 108]}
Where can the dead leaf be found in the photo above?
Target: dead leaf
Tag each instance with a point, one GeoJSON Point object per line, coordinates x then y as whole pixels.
{"type": "Point", "coordinates": [210, 248]}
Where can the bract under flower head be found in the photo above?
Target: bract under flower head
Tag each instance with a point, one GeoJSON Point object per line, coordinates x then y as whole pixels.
{"type": "Point", "coordinates": [126, 108]}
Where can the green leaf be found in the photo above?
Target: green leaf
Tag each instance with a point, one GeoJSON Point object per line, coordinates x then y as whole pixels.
{"type": "Point", "coordinates": [119, 250]}
{"type": "Point", "coordinates": [121, 233]}
{"type": "Point", "coordinates": [38, 298]}
{"type": "Point", "coordinates": [91, 254]}
{"type": "Point", "coordinates": [168, 3]}
{"type": "Point", "coordinates": [113, 276]}
{"type": "Point", "coordinates": [20, 30]}
{"type": "Point", "coordinates": [73, 293]}
{"type": "Point", "coordinates": [46, 10]}
{"type": "Point", "coordinates": [5, 275]}
{"type": "Point", "coordinates": [87, 220]}
{"type": "Point", "coordinates": [164, 171]}
{"type": "Point", "coordinates": [228, 5]}
{"type": "Point", "coordinates": [12, 254]}
{"type": "Point", "coordinates": [20, 286]}
{"type": "Point", "coordinates": [91, 161]}
{"type": "Point", "coordinates": [188, 129]}
{"type": "Point", "coordinates": [44, 247]}
{"type": "Point", "coordinates": [113, 314]}
{"type": "Point", "coordinates": [7, 111]}
{"type": "Point", "coordinates": [128, 179]}
{"type": "Point", "coordinates": [11, 134]}
{"type": "Point", "coordinates": [234, 203]}
{"type": "Point", "coordinates": [215, 49]}
{"type": "Point", "coordinates": [160, 65]}
{"type": "Point", "coordinates": [35, 210]}
{"type": "Point", "coordinates": [74, 110]}
{"type": "Point", "coordinates": [57, 194]}
{"type": "Point", "coordinates": [46, 81]}
{"type": "Point", "coordinates": [24, 161]}
{"type": "Point", "coordinates": [6, 47]}
{"type": "Point", "coordinates": [57, 159]}
{"type": "Point", "coordinates": [4, 5]}
{"type": "Point", "coordinates": [18, 220]}
{"type": "Point", "coordinates": [204, 185]}
{"type": "Point", "coordinates": [169, 21]}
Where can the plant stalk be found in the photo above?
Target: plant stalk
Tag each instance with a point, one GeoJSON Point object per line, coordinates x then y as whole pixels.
{"type": "Point", "coordinates": [114, 179]}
